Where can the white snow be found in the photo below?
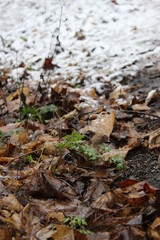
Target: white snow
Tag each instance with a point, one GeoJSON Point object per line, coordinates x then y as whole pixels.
{"type": "Point", "coordinates": [115, 36]}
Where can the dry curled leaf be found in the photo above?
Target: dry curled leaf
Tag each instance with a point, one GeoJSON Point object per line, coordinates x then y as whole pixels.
{"type": "Point", "coordinates": [18, 92]}
{"type": "Point", "coordinates": [103, 125]}
{"type": "Point", "coordinates": [154, 139]}
{"type": "Point", "coordinates": [155, 229]}
{"type": "Point", "coordinates": [140, 107]}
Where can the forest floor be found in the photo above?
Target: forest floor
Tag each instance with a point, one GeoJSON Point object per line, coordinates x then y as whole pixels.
{"type": "Point", "coordinates": [80, 120]}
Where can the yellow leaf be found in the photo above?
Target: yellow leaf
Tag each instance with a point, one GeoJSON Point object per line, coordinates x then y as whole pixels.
{"type": "Point", "coordinates": [18, 93]}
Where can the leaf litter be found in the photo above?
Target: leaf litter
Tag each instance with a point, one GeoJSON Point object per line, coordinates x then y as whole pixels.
{"type": "Point", "coordinates": [76, 161]}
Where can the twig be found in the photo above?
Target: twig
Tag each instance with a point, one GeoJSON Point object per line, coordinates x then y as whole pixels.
{"type": "Point", "coordinates": [139, 112]}
{"type": "Point", "coordinates": [16, 158]}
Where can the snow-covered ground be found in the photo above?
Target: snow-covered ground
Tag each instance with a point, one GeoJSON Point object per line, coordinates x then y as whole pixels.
{"type": "Point", "coordinates": [113, 36]}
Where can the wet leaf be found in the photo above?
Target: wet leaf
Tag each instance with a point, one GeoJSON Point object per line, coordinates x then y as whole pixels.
{"type": "Point", "coordinates": [43, 185]}
{"type": "Point", "coordinates": [48, 65]}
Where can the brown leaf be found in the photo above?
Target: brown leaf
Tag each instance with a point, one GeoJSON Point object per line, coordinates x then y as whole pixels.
{"type": "Point", "coordinates": [6, 233]}
{"type": "Point", "coordinates": [33, 125]}
{"type": "Point", "coordinates": [11, 203]}
{"type": "Point", "coordinates": [48, 65]}
{"type": "Point", "coordinates": [151, 189]}
{"type": "Point", "coordinates": [13, 105]}
{"type": "Point", "coordinates": [95, 190]}
{"type": "Point", "coordinates": [71, 99]}
{"type": "Point", "coordinates": [114, 152]}
{"type": "Point", "coordinates": [55, 215]}
{"type": "Point", "coordinates": [49, 148]}
{"type": "Point", "coordinates": [9, 127]}
{"type": "Point", "coordinates": [155, 229]}
{"type": "Point", "coordinates": [13, 219]}
{"type": "Point", "coordinates": [80, 35]}
{"type": "Point", "coordinates": [18, 92]}
{"type": "Point", "coordinates": [138, 199]}
{"type": "Point", "coordinates": [115, 2]}
{"type": "Point", "coordinates": [29, 147]}
{"type": "Point", "coordinates": [63, 233]}
{"type": "Point", "coordinates": [103, 125]}
{"type": "Point", "coordinates": [19, 137]}
{"type": "Point", "coordinates": [119, 91]}
{"type": "Point", "coordinates": [70, 115]}
{"type": "Point", "coordinates": [154, 139]}
{"type": "Point", "coordinates": [151, 95]}
{"type": "Point", "coordinates": [140, 107]}
{"type": "Point", "coordinates": [4, 149]}
{"type": "Point", "coordinates": [6, 159]}
{"type": "Point", "coordinates": [127, 182]}
{"type": "Point", "coordinates": [43, 185]}
{"type": "Point", "coordinates": [21, 65]}
{"type": "Point", "coordinates": [99, 236]}
{"type": "Point", "coordinates": [45, 233]}
{"type": "Point", "coordinates": [104, 202]}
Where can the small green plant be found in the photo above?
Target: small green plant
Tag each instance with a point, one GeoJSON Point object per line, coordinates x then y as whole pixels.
{"type": "Point", "coordinates": [77, 223]}
{"type": "Point", "coordinates": [88, 152]}
{"type": "Point", "coordinates": [37, 113]}
{"type": "Point", "coordinates": [4, 136]}
{"type": "Point", "coordinates": [30, 112]}
{"type": "Point", "coordinates": [24, 39]}
{"type": "Point", "coordinates": [47, 109]}
{"type": "Point", "coordinates": [71, 141]}
{"type": "Point", "coordinates": [55, 172]}
{"type": "Point", "coordinates": [27, 158]}
{"type": "Point", "coordinates": [104, 148]}
{"type": "Point", "coordinates": [119, 161]}
{"type": "Point", "coordinates": [75, 141]}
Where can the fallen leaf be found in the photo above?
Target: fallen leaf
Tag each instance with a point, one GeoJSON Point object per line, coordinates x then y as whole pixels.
{"type": "Point", "coordinates": [63, 233]}
{"type": "Point", "coordinates": [49, 148]}
{"type": "Point", "coordinates": [155, 229]}
{"type": "Point", "coordinates": [13, 105]}
{"type": "Point", "coordinates": [115, 2]}
{"type": "Point", "coordinates": [11, 203]}
{"type": "Point", "coordinates": [55, 215]}
{"type": "Point", "coordinates": [4, 149]}
{"type": "Point", "coordinates": [99, 236]}
{"type": "Point", "coordinates": [103, 125]}
{"type": "Point", "coordinates": [45, 233]}
{"type": "Point", "coordinates": [70, 115]}
{"type": "Point", "coordinates": [9, 127]}
{"type": "Point", "coordinates": [119, 91]}
{"type": "Point", "coordinates": [114, 152]}
{"type": "Point", "coordinates": [48, 65]}
{"type": "Point", "coordinates": [18, 92]}
{"type": "Point", "coordinates": [29, 147]}
{"type": "Point", "coordinates": [140, 107]}
{"type": "Point", "coordinates": [6, 159]}
{"type": "Point", "coordinates": [154, 139]}
{"type": "Point", "coordinates": [43, 185]}
{"type": "Point", "coordinates": [14, 219]}
{"type": "Point", "coordinates": [150, 96]}
{"type": "Point", "coordinates": [104, 202]}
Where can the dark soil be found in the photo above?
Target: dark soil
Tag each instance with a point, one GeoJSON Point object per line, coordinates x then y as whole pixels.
{"type": "Point", "coordinates": [143, 165]}
{"type": "Point", "coordinates": [147, 78]}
